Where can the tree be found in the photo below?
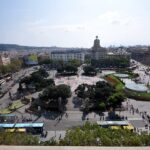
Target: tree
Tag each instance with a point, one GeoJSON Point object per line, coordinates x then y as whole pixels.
{"type": "Point", "coordinates": [54, 97]}
{"type": "Point", "coordinates": [102, 106]}
{"type": "Point", "coordinates": [27, 80]}
{"type": "Point", "coordinates": [55, 92]}
{"type": "Point", "coordinates": [41, 73]}
{"type": "Point", "coordinates": [88, 61]}
{"type": "Point", "coordinates": [74, 62]}
{"type": "Point", "coordinates": [17, 139]}
{"type": "Point", "coordinates": [88, 134]}
{"type": "Point", "coordinates": [89, 70]}
{"type": "Point", "coordinates": [63, 91]}
{"type": "Point", "coordinates": [80, 90]}
{"type": "Point", "coordinates": [60, 70]}
{"type": "Point", "coordinates": [14, 66]}
{"type": "Point", "coordinates": [97, 95]}
{"type": "Point", "coordinates": [67, 69]}
{"type": "Point", "coordinates": [37, 80]}
{"type": "Point", "coordinates": [45, 61]}
{"type": "Point", "coordinates": [116, 99]}
{"type": "Point", "coordinates": [71, 69]}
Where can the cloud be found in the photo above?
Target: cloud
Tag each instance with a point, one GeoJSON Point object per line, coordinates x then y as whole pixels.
{"type": "Point", "coordinates": [39, 26]}
{"type": "Point", "coordinates": [114, 18]}
{"type": "Point", "coordinates": [35, 23]}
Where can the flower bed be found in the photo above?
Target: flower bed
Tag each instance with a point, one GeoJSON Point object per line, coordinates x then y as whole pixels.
{"type": "Point", "coordinates": [115, 82]}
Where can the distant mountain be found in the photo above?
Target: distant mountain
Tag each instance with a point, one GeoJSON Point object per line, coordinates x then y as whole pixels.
{"type": "Point", "coordinates": [10, 47]}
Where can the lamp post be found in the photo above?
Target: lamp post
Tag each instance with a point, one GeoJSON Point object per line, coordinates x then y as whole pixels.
{"type": "Point", "coordinates": [98, 141]}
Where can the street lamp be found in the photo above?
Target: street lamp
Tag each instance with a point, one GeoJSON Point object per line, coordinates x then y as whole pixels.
{"type": "Point", "coordinates": [98, 141]}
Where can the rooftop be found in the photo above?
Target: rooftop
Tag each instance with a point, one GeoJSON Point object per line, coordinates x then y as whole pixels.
{"type": "Point", "coordinates": [66, 52]}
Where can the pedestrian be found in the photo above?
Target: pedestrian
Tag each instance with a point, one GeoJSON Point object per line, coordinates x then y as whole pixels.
{"type": "Point", "coordinates": [66, 115]}
{"type": "Point", "coordinates": [59, 118]}
{"type": "Point", "coordinates": [10, 96]}
{"type": "Point", "coordinates": [46, 134]}
{"type": "Point", "coordinates": [60, 137]}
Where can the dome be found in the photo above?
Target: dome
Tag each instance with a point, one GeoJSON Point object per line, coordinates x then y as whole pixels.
{"type": "Point", "coordinates": [96, 42]}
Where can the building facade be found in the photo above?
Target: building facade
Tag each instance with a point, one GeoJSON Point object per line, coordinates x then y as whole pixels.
{"type": "Point", "coordinates": [68, 55]}
{"type": "Point", "coordinates": [102, 57]}
{"type": "Point", "coordinates": [98, 52]}
{"type": "Point", "coordinates": [4, 59]}
{"type": "Point", "coordinates": [141, 54]}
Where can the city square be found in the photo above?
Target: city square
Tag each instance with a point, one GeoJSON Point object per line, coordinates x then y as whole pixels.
{"type": "Point", "coordinates": [56, 122]}
{"type": "Point", "coordinates": [74, 73]}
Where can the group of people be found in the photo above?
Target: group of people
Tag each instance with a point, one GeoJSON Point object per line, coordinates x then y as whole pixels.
{"type": "Point", "coordinates": [60, 117]}
{"type": "Point", "coordinates": [145, 116]}
{"type": "Point", "coordinates": [133, 110]}
{"type": "Point", "coordinates": [102, 118]}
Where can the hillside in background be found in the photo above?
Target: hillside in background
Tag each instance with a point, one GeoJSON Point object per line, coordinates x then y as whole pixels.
{"type": "Point", "coordinates": [10, 47]}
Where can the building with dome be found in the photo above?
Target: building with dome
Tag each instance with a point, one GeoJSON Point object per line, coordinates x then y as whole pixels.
{"type": "Point", "coordinates": [102, 57]}
{"type": "Point", "coordinates": [98, 52]}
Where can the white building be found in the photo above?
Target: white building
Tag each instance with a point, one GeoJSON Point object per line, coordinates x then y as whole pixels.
{"type": "Point", "coordinates": [68, 55]}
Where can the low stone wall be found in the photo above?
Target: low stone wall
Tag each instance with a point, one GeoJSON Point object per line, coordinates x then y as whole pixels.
{"type": "Point", "coordinates": [70, 148]}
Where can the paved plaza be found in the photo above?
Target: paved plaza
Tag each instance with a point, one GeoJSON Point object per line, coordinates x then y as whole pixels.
{"type": "Point", "coordinates": [56, 124]}
{"type": "Point", "coordinates": [75, 81]}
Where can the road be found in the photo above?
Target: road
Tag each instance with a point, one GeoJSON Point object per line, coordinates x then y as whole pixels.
{"type": "Point", "coordinates": [13, 85]}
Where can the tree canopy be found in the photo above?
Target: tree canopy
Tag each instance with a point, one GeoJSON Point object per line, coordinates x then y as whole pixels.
{"type": "Point", "coordinates": [93, 135]}
{"type": "Point", "coordinates": [17, 139]}
{"type": "Point", "coordinates": [14, 66]}
{"type": "Point", "coordinates": [54, 92]}
{"type": "Point", "coordinates": [55, 96]}
{"type": "Point", "coordinates": [67, 69]}
{"type": "Point", "coordinates": [89, 70]}
{"type": "Point", "coordinates": [100, 96]}
{"type": "Point", "coordinates": [38, 80]}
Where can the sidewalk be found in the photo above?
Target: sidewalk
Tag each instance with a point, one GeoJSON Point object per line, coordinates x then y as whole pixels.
{"type": "Point", "coordinates": [57, 135]}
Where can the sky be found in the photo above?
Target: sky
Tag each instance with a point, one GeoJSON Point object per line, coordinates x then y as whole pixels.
{"type": "Point", "coordinates": [75, 23]}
